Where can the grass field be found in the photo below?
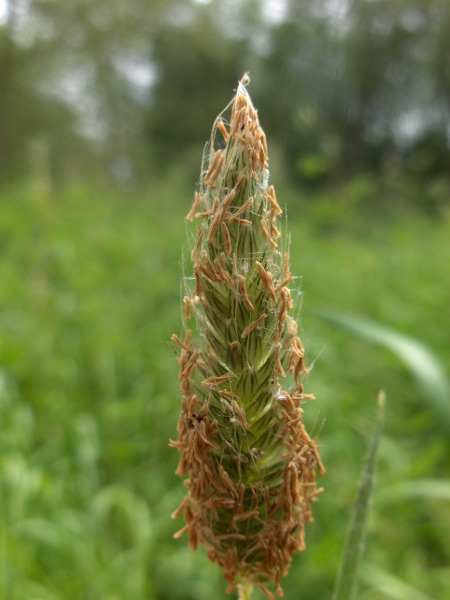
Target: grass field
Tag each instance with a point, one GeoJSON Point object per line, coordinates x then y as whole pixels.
{"type": "Point", "coordinates": [90, 293]}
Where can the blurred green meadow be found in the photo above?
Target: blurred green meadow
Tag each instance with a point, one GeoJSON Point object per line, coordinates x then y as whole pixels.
{"type": "Point", "coordinates": [90, 294]}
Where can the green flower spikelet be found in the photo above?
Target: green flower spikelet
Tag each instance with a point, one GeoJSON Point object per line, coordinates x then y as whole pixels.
{"type": "Point", "coordinates": [251, 464]}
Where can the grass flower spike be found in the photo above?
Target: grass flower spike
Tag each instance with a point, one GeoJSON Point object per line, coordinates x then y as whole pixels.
{"type": "Point", "coordinates": [250, 463]}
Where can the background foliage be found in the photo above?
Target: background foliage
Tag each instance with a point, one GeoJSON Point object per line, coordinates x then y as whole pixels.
{"type": "Point", "coordinates": [121, 90]}
{"type": "Point", "coordinates": [104, 110]}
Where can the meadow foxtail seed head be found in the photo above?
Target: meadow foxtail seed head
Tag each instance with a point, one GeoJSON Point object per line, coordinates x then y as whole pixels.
{"type": "Point", "coordinates": [250, 462]}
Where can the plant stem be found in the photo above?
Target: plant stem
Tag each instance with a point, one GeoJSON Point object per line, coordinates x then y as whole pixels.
{"type": "Point", "coordinates": [345, 588]}
{"type": "Point", "coordinates": [244, 591]}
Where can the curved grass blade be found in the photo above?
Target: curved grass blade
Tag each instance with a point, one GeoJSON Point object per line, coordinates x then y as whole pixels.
{"type": "Point", "coordinates": [425, 489]}
{"type": "Point", "coordinates": [346, 583]}
{"type": "Point", "coordinates": [391, 586]}
{"type": "Point", "coordinates": [422, 363]}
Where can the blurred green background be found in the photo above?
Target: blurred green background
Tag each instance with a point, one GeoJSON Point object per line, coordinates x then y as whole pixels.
{"type": "Point", "coordinates": [105, 106]}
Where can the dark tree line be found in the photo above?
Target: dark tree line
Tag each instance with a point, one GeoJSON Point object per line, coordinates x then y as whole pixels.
{"type": "Point", "coordinates": [129, 89]}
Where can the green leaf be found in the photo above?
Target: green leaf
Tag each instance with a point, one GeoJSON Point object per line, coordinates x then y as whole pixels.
{"type": "Point", "coordinates": [423, 364]}
{"type": "Point", "coordinates": [391, 586]}
{"type": "Point", "coordinates": [426, 489]}
{"type": "Point", "coordinates": [346, 582]}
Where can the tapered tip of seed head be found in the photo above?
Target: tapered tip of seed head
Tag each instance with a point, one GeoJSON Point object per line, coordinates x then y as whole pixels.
{"type": "Point", "coordinates": [245, 130]}
{"type": "Point", "coordinates": [243, 83]}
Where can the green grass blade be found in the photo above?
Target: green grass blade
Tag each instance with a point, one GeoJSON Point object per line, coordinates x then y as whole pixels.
{"type": "Point", "coordinates": [422, 363]}
{"type": "Point", "coordinates": [424, 489]}
{"type": "Point", "coordinates": [345, 588]}
{"type": "Point", "coordinates": [391, 586]}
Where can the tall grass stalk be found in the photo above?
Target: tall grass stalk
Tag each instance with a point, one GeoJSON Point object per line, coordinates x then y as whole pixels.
{"type": "Point", "coordinates": [346, 582]}
{"type": "Point", "coordinates": [250, 463]}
